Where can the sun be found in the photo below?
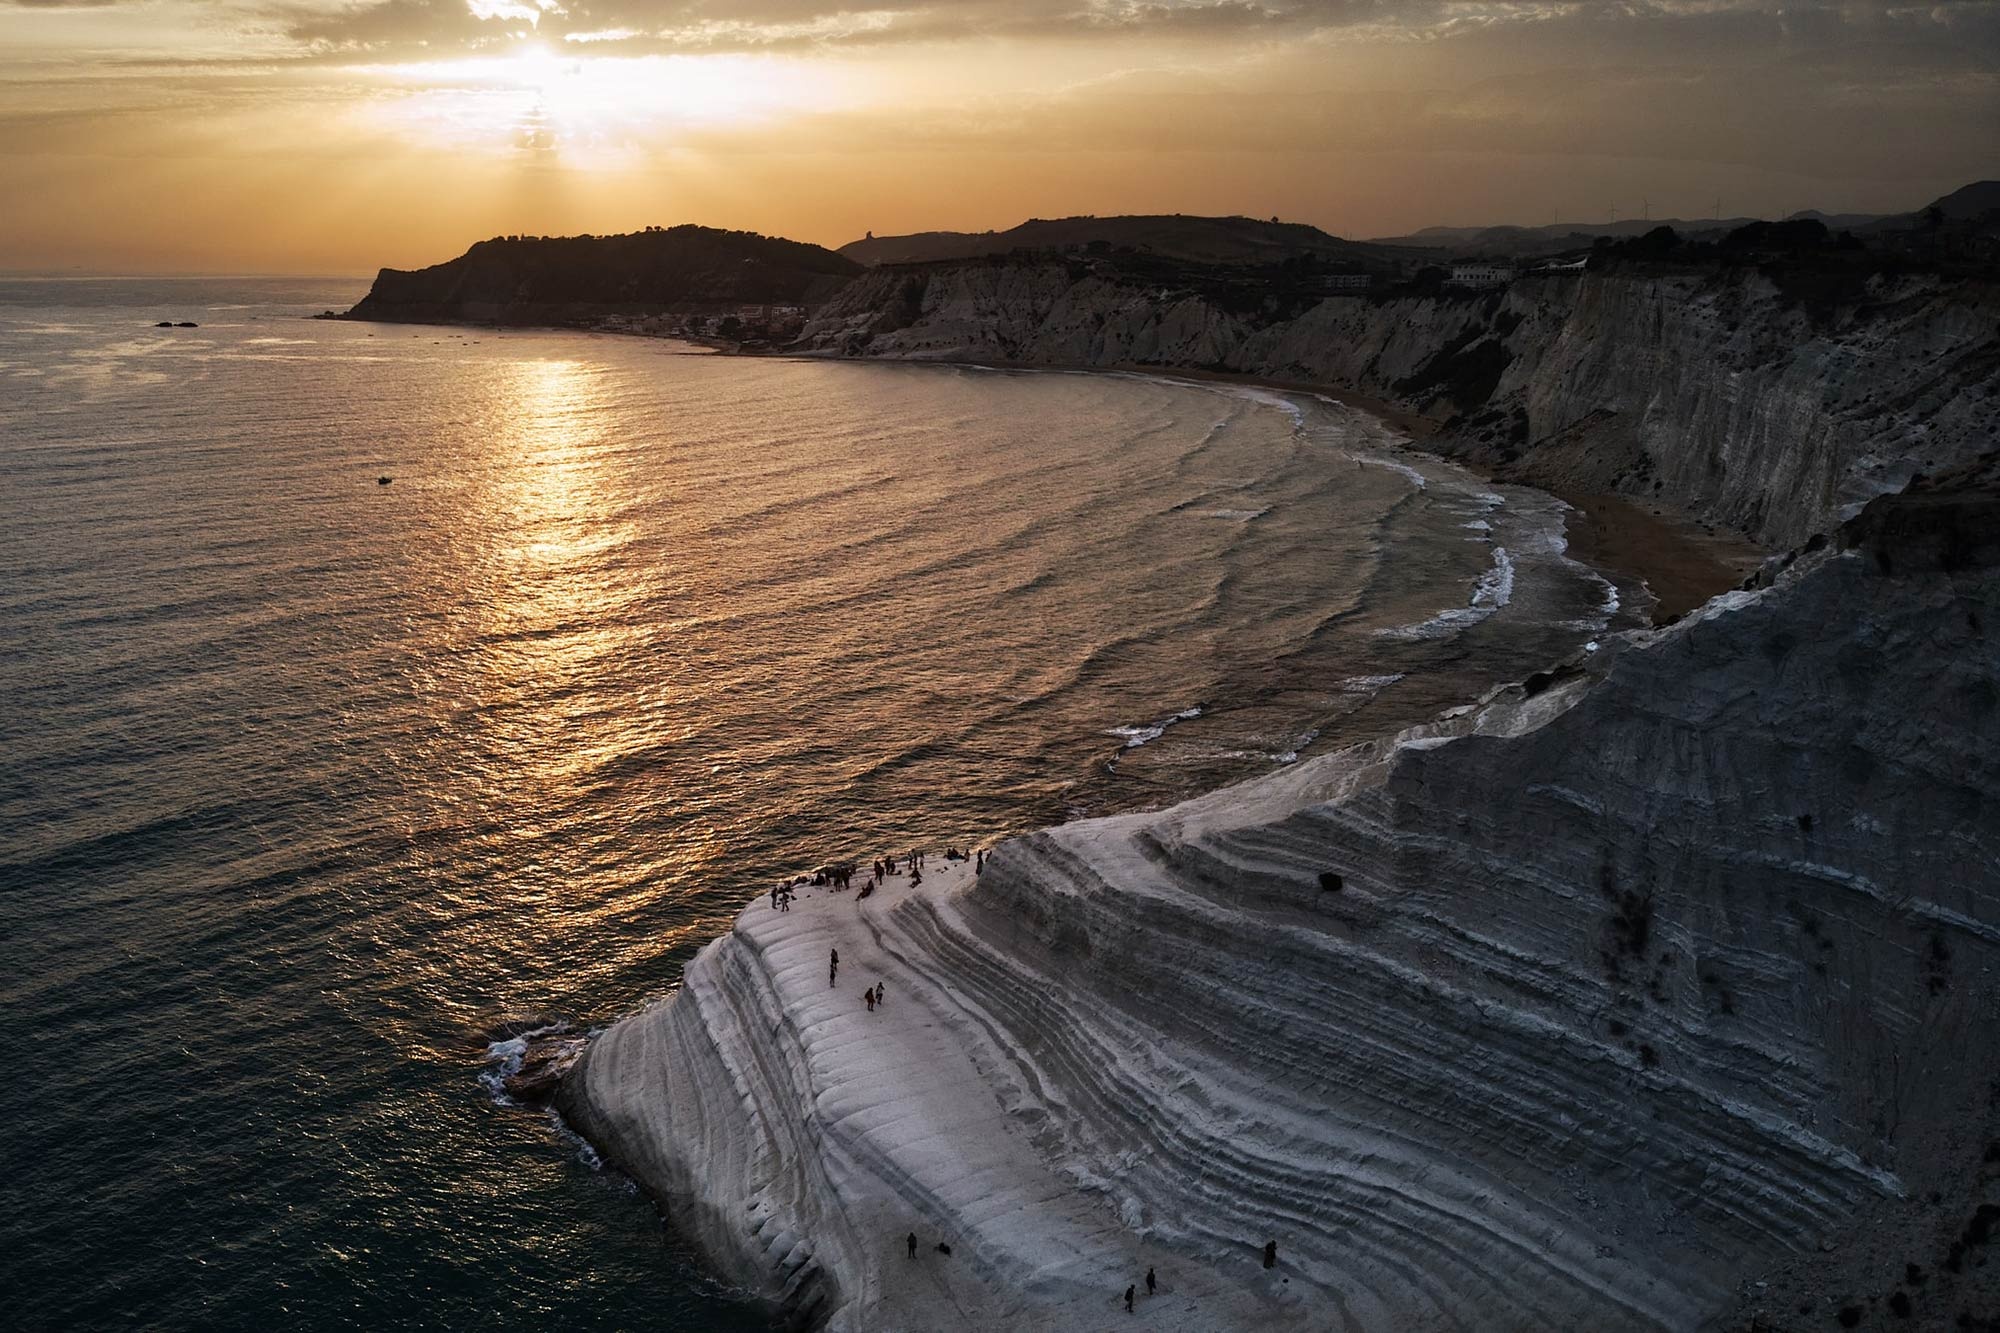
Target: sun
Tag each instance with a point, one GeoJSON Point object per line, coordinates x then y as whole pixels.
{"type": "Point", "coordinates": [559, 97]}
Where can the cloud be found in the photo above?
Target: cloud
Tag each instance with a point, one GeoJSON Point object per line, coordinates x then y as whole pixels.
{"type": "Point", "coordinates": [423, 29]}
{"type": "Point", "coordinates": [769, 25]}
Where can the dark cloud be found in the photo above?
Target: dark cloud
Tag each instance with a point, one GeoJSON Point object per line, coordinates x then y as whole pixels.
{"type": "Point", "coordinates": [1651, 30]}
{"type": "Point", "coordinates": [704, 25]}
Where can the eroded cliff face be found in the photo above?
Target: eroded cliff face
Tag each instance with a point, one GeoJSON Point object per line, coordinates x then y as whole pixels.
{"type": "Point", "coordinates": [1771, 410]}
{"type": "Point", "coordinates": [1575, 1010]}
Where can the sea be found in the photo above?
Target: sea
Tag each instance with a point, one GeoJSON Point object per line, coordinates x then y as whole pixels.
{"type": "Point", "coordinates": [373, 697]}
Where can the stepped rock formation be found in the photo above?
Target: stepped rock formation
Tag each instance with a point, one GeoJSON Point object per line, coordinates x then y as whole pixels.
{"type": "Point", "coordinates": [1770, 405]}
{"type": "Point", "coordinates": [1574, 1010]}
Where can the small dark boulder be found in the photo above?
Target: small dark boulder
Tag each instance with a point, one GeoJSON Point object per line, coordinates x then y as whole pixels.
{"type": "Point", "coordinates": [164, 324]}
{"type": "Point", "coordinates": [1330, 882]}
{"type": "Point", "coordinates": [187, 324]}
{"type": "Point", "coordinates": [383, 481]}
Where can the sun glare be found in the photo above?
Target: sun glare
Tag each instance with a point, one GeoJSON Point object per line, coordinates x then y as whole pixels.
{"type": "Point", "coordinates": [548, 98]}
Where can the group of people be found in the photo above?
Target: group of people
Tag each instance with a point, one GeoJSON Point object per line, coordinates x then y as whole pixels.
{"type": "Point", "coordinates": [841, 877]}
{"type": "Point", "coordinates": [873, 994]}
{"type": "Point", "coordinates": [942, 1248]}
{"type": "Point", "coordinates": [1132, 1291]}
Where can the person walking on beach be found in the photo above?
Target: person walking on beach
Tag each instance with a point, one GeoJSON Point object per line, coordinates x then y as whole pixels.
{"type": "Point", "coordinates": [913, 1244]}
{"type": "Point", "coordinates": [1270, 1254]}
{"type": "Point", "coordinates": [870, 996]}
{"type": "Point", "coordinates": [1130, 1292]}
{"type": "Point", "coordinates": [878, 990]}
{"type": "Point", "coordinates": [1150, 1284]}
{"type": "Point", "coordinates": [833, 968]}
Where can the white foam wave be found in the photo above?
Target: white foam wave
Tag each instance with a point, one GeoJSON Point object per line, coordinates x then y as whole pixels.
{"type": "Point", "coordinates": [1495, 588]}
{"type": "Point", "coordinates": [1490, 591]}
{"type": "Point", "coordinates": [1418, 479]}
{"type": "Point", "coordinates": [1368, 684]}
{"type": "Point", "coordinates": [1291, 756]}
{"type": "Point", "coordinates": [1236, 515]}
{"type": "Point", "coordinates": [1149, 732]}
{"type": "Point", "coordinates": [1269, 398]}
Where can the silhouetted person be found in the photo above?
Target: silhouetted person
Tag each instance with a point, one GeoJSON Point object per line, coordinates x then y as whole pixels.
{"type": "Point", "coordinates": [913, 1244]}
{"type": "Point", "coordinates": [1150, 1284]}
{"type": "Point", "coordinates": [1130, 1292]}
{"type": "Point", "coordinates": [878, 992]}
{"type": "Point", "coordinates": [871, 1000]}
{"type": "Point", "coordinates": [1270, 1254]}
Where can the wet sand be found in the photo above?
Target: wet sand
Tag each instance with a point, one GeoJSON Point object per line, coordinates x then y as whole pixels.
{"type": "Point", "coordinates": [1682, 562]}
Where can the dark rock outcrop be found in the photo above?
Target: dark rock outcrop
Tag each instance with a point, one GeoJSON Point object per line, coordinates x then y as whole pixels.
{"type": "Point", "coordinates": [571, 279]}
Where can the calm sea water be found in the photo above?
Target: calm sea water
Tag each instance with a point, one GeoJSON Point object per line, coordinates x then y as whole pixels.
{"type": "Point", "coordinates": [317, 790]}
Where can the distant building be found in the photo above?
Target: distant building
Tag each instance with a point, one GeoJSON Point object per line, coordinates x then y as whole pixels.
{"type": "Point", "coordinates": [1481, 275]}
{"type": "Point", "coordinates": [1348, 282]}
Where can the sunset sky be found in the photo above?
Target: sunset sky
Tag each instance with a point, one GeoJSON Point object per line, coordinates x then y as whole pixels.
{"type": "Point", "coordinates": [326, 137]}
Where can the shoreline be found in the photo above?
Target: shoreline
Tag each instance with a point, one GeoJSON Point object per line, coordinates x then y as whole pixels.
{"type": "Point", "coordinates": [1678, 560]}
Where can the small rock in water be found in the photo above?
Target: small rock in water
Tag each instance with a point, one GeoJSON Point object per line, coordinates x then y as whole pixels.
{"type": "Point", "coordinates": [534, 1057]}
{"type": "Point", "coordinates": [187, 324]}
{"type": "Point", "coordinates": [383, 481]}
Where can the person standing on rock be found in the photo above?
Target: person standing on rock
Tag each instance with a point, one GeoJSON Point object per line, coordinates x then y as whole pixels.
{"type": "Point", "coordinates": [1130, 1292]}
{"type": "Point", "coordinates": [913, 1244]}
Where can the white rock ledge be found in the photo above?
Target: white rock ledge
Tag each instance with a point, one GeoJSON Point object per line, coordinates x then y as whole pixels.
{"type": "Point", "coordinates": [1630, 989]}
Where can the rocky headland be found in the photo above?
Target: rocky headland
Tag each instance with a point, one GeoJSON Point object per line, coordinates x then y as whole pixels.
{"type": "Point", "coordinates": [1646, 994]}
{"type": "Point", "coordinates": [559, 280]}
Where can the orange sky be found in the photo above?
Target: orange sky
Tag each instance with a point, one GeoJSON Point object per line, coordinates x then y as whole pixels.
{"type": "Point", "coordinates": [305, 136]}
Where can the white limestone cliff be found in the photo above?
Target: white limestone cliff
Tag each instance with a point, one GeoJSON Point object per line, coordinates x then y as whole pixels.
{"type": "Point", "coordinates": [1576, 1010]}
{"type": "Point", "coordinates": [1773, 409]}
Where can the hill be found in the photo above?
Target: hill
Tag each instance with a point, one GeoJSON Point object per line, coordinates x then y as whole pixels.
{"type": "Point", "coordinates": [1523, 242]}
{"type": "Point", "coordinates": [1200, 240]}
{"type": "Point", "coordinates": [526, 279]}
{"type": "Point", "coordinates": [1969, 202]}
